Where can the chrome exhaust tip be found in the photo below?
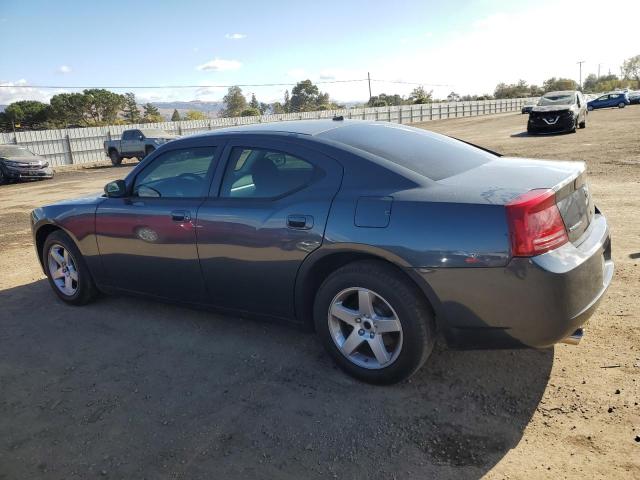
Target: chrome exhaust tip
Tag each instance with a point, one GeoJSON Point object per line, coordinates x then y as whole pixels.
{"type": "Point", "coordinates": [574, 338]}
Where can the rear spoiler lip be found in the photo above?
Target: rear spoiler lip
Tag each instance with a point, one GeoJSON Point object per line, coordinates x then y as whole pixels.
{"type": "Point", "coordinates": [477, 146]}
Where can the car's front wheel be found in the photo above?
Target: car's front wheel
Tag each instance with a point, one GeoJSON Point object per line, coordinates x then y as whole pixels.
{"type": "Point", "coordinates": [621, 105]}
{"type": "Point", "coordinates": [374, 322]}
{"type": "Point", "coordinates": [66, 270]}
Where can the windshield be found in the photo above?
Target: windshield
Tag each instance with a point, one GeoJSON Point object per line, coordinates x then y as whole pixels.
{"type": "Point", "coordinates": [15, 151]}
{"type": "Point", "coordinates": [557, 99]}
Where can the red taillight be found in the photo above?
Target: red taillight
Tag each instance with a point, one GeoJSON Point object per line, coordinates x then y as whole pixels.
{"type": "Point", "coordinates": [535, 224]}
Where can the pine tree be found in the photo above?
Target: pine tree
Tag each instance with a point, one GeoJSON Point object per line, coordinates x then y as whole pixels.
{"type": "Point", "coordinates": [130, 109]}
{"type": "Point", "coordinates": [254, 102]}
{"type": "Point", "coordinates": [287, 102]}
{"type": "Point", "coordinates": [175, 117]}
{"type": "Point", "coordinates": [234, 102]}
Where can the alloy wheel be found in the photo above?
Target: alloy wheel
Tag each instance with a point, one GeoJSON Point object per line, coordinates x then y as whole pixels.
{"type": "Point", "coordinates": [63, 270]}
{"type": "Point", "coordinates": [365, 328]}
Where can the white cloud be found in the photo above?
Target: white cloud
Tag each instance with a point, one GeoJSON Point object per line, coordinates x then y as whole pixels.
{"type": "Point", "coordinates": [235, 36]}
{"type": "Point", "coordinates": [16, 91]}
{"type": "Point", "coordinates": [64, 69]}
{"type": "Point", "coordinates": [220, 65]}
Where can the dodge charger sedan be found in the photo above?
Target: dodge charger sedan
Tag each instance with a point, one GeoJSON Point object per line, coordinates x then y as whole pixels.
{"type": "Point", "coordinates": [378, 236]}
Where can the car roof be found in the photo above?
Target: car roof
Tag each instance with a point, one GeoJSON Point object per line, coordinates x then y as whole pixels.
{"type": "Point", "coordinates": [300, 127]}
{"type": "Point", "coordinates": [560, 92]}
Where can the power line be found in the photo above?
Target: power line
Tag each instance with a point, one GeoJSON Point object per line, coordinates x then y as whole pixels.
{"type": "Point", "coordinates": [131, 87]}
{"type": "Point", "coordinates": [134, 87]}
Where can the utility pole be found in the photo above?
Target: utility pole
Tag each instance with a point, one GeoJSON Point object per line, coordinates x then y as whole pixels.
{"type": "Point", "coordinates": [598, 70]}
{"type": "Point", "coordinates": [369, 80]}
{"type": "Point", "coordinates": [580, 63]}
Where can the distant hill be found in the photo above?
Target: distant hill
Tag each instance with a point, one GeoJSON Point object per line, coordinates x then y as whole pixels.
{"type": "Point", "coordinates": [210, 109]}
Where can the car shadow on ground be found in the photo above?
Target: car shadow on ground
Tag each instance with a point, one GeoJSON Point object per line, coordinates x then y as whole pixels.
{"type": "Point", "coordinates": [129, 388]}
{"type": "Point", "coordinates": [549, 134]}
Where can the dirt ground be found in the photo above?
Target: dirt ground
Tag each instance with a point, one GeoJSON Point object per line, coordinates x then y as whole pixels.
{"type": "Point", "coordinates": [126, 388]}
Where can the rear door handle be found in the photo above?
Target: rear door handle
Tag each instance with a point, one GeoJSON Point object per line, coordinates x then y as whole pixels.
{"type": "Point", "coordinates": [301, 222]}
{"type": "Point", "coordinates": [180, 216]}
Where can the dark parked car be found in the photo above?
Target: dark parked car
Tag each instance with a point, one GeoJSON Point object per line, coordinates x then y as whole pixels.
{"type": "Point", "coordinates": [20, 163]}
{"type": "Point", "coordinates": [609, 100]}
{"type": "Point", "coordinates": [558, 112]}
{"type": "Point", "coordinates": [634, 97]}
{"type": "Point", "coordinates": [379, 236]}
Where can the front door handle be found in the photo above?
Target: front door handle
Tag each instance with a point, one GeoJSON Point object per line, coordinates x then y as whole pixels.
{"type": "Point", "coordinates": [180, 216]}
{"type": "Point", "coordinates": [301, 222]}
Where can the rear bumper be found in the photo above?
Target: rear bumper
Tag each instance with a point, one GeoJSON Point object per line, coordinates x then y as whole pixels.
{"type": "Point", "coordinates": [532, 302]}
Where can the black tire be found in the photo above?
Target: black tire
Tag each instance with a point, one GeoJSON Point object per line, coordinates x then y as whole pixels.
{"type": "Point", "coordinates": [621, 105]}
{"type": "Point", "coordinates": [583, 123]}
{"type": "Point", "coordinates": [86, 290]}
{"type": "Point", "coordinates": [575, 126]}
{"type": "Point", "coordinates": [589, 108]}
{"type": "Point", "coordinates": [408, 302]}
{"type": "Point", "coordinates": [115, 157]}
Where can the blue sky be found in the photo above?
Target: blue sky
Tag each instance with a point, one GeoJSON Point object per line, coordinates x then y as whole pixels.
{"type": "Point", "coordinates": [463, 46]}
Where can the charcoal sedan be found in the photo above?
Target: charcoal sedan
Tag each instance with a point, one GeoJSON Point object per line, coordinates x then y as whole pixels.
{"type": "Point", "coordinates": [378, 236]}
{"type": "Point", "coordinates": [19, 163]}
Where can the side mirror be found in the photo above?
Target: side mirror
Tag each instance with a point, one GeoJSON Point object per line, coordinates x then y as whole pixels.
{"type": "Point", "coordinates": [141, 137]}
{"type": "Point", "coordinates": [115, 189]}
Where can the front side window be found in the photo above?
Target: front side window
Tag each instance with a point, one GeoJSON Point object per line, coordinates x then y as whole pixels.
{"type": "Point", "coordinates": [262, 173]}
{"type": "Point", "coordinates": [176, 174]}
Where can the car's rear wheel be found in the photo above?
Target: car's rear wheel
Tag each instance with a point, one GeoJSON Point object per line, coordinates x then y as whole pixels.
{"type": "Point", "coordinates": [375, 324]}
{"type": "Point", "coordinates": [621, 105]}
{"type": "Point", "coordinates": [66, 270]}
{"type": "Point", "coordinates": [590, 108]}
{"type": "Point", "coordinates": [115, 157]}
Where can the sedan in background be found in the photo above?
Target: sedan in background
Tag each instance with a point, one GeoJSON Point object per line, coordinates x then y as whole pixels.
{"type": "Point", "coordinates": [634, 97]}
{"type": "Point", "coordinates": [609, 100]}
{"type": "Point", "coordinates": [20, 163]}
{"type": "Point", "coordinates": [563, 111]}
{"type": "Point", "coordinates": [379, 236]}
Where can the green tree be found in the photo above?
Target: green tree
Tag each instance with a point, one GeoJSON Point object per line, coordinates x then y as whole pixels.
{"type": "Point", "coordinates": [556, 84]}
{"type": "Point", "coordinates": [276, 108]}
{"type": "Point", "coordinates": [68, 109]}
{"type": "Point", "coordinates": [254, 102]}
{"type": "Point", "coordinates": [513, 90]}
{"type": "Point", "coordinates": [234, 102]}
{"type": "Point", "coordinates": [306, 97]}
{"type": "Point", "coordinates": [287, 102]}
{"type": "Point", "coordinates": [631, 69]}
{"type": "Point", "coordinates": [384, 100]}
{"type": "Point", "coordinates": [26, 114]}
{"type": "Point", "coordinates": [102, 105]}
{"type": "Point", "coordinates": [250, 112]}
{"type": "Point", "coordinates": [195, 115]}
{"type": "Point", "coordinates": [130, 110]}
{"type": "Point", "coordinates": [175, 117]}
{"type": "Point", "coordinates": [420, 95]}
{"type": "Point", "coordinates": [151, 114]}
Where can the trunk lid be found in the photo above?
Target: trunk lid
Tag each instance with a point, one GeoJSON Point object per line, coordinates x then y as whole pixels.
{"type": "Point", "coordinates": [504, 179]}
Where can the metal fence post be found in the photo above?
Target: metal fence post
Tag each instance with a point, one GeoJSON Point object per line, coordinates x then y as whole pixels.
{"type": "Point", "coordinates": [69, 147]}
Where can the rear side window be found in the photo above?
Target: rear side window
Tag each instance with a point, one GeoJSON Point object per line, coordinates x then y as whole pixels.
{"type": "Point", "coordinates": [426, 153]}
{"type": "Point", "coordinates": [176, 174]}
{"type": "Point", "coordinates": [261, 173]}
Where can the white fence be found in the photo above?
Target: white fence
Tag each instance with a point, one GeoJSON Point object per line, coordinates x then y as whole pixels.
{"type": "Point", "coordinates": [84, 145]}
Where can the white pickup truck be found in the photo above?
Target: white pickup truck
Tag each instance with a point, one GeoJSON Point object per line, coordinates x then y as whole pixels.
{"type": "Point", "coordinates": [138, 143]}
